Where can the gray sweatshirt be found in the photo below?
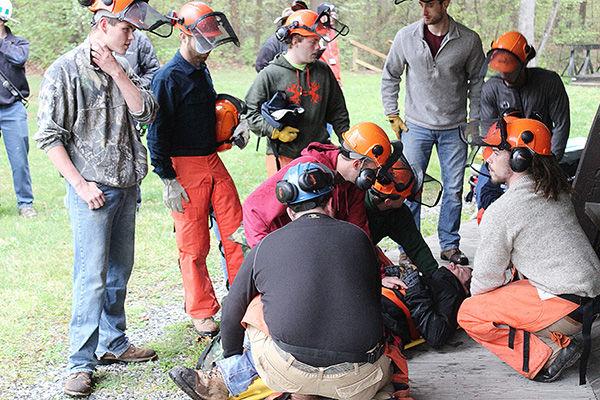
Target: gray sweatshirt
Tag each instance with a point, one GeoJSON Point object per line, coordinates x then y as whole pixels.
{"type": "Point", "coordinates": [436, 88]}
{"type": "Point", "coordinates": [541, 238]}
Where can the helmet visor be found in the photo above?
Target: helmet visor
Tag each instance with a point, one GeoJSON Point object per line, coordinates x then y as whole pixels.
{"type": "Point", "coordinates": [146, 18]}
{"type": "Point", "coordinates": [504, 61]}
{"type": "Point", "coordinates": [330, 27]}
{"type": "Point", "coordinates": [211, 31]}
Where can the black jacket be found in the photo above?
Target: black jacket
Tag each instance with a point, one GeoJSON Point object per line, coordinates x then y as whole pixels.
{"type": "Point", "coordinates": [270, 48]}
{"type": "Point", "coordinates": [320, 285]}
{"type": "Point", "coordinates": [14, 51]}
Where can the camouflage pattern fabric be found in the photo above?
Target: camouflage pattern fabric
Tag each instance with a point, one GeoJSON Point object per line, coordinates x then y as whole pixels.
{"type": "Point", "coordinates": [82, 109]}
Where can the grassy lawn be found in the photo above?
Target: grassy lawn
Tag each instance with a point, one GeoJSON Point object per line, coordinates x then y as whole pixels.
{"type": "Point", "coordinates": [35, 255]}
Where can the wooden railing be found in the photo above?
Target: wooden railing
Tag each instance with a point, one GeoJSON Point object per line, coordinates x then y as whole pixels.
{"type": "Point", "coordinates": [356, 61]}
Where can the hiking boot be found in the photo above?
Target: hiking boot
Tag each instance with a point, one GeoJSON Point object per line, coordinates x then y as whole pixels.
{"type": "Point", "coordinates": [205, 326]}
{"type": "Point", "coordinates": [565, 358]}
{"type": "Point", "coordinates": [200, 385]}
{"type": "Point", "coordinates": [132, 355]}
{"type": "Point", "coordinates": [455, 256]}
{"type": "Point", "coordinates": [78, 384]}
{"type": "Point", "coordinates": [27, 212]}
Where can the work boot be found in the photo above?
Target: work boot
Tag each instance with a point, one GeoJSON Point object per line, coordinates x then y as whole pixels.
{"type": "Point", "coordinates": [200, 385]}
{"type": "Point", "coordinates": [132, 355]}
{"type": "Point", "coordinates": [78, 384]}
{"type": "Point", "coordinates": [205, 326]}
{"type": "Point", "coordinates": [565, 358]}
{"type": "Point", "coordinates": [28, 212]}
{"type": "Point", "coordinates": [454, 255]}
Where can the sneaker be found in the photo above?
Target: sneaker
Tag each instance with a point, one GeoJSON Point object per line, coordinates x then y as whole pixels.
{"type": "Point", "coordinates": [78, 384]}
{"type": "Point", "coordinates": [132, 355]}
{"type": "Point", "coordinates": [565, 358]}
{"type": "Point", "coordinates": [200, 385]}
{"type": "Point", "coordinates": [205, 326]}
{"type": "Point", "coordinates": [27, 212]}
{"type": "Point", "coordinates": [454, 255]}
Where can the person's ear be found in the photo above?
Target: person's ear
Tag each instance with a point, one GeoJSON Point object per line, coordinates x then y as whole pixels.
{"type": "Point", "coordinates": [291, 213]}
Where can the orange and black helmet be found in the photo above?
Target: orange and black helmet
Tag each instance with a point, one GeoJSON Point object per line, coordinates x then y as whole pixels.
{"type": "Point", "coordinates": [305, 23]}
{"type": "Point", "coordinates": [400, 182]}
{"type": "Point", "coordinates": [367, 139]}
{"type": "Point", "coordinates": [510, 133]}
{"type": "Point", "coordinates": [228, 110]}
{"type": "Point", "coordinates": [510, 52]}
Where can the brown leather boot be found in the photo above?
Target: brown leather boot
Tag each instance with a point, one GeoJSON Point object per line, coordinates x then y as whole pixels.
{"type": "Point", "coordinates": [78, 384]}
{"type": "Point", "coordinates": [132, 354]}
{"type": "Point", "coordinates": [205, 326]}
{"type": "Point", "coordinates": [200, 385]}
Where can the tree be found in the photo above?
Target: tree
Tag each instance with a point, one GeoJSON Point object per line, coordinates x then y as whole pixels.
{"type": "Point", "coordinates": [527, 22]}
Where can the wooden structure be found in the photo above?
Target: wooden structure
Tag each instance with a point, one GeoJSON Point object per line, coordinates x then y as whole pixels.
{"type": "Point", "coordinates": [583, 73]}
{"type": "Point", "coordinates": [356, 61]}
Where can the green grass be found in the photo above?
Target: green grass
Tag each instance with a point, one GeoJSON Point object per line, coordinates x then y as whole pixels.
{"type": "Point", "coordinates": [35, 255]}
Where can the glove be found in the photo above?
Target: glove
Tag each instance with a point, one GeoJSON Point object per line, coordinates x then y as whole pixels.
{"type": "Point", "coordinates": [410, 277]}
{"type": "Point", "coordinates": [241, 134]}
{"type": "Point", "coordinates": [472, 133]}
{"type": "Point", "coordinates": [174, 194]}
{"type": "Point", "coordinates": [286, 134]}
{"type": "Point", "coordinates": [398, 126]}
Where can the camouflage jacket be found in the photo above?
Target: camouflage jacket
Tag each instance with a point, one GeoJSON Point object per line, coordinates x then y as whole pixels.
{"type": "Point", "coordinates": [82, 109]}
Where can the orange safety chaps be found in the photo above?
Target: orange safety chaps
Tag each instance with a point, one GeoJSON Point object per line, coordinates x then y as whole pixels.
{"type": "Point", "coordinates": [504, 321]}
{"type": "Point", "coordinates": [206, 182]}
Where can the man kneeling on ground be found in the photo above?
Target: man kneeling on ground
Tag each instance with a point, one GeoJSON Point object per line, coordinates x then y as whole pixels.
{"type": "Point", "coordinates": [530, 232]}
{"type": "Point", "coordinates": [304, 339]}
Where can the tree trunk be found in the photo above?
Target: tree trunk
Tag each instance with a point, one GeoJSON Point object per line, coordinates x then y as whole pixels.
{"type": "Point", "coordinates": [527, 23]}
{"type": "Point", "coordinates": [257, 24]}
{"type": "Point", "coordinates": [582, 12]}
{"type": "Point", "coordinates": [549, 26]}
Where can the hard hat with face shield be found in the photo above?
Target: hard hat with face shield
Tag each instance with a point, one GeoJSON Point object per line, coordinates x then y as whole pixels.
{"type": "Point", "coordinates": [135, 12]}
{"type": "Point", "coordinates": [209, 28]}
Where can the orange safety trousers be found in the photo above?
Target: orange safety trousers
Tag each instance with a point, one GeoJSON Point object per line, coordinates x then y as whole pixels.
{"type": "Point", "coordinates": [206, 182]}
{"type": "Point", "coordinates": [504, 321]}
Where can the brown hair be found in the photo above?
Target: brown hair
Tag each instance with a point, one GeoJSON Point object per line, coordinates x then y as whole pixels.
{"type": "Point", "coordinates": [549, 177]}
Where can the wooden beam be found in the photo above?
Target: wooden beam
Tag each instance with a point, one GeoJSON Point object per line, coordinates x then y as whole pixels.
{"type": "Point", "coordinates": [368, 49]}
{"type": "Point", "coordinates": [368, 66]}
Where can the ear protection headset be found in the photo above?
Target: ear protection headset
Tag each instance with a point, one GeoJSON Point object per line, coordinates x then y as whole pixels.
{"type": "Point", "coordinates": [314, 182]}
{"type": "Point", "coordinates": [283, 32]}
{"type": "Point", "coordinates": [520, 157]}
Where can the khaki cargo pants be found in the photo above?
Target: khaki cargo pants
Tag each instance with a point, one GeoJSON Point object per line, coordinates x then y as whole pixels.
{"type": "Point", "coordinates": [283, 373]}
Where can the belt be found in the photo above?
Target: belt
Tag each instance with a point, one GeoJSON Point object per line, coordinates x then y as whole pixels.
{"type": "Point", "coordinates": [333, 357]}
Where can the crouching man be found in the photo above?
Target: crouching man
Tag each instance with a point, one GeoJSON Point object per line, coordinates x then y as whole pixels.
{"type": "Point", "coordinates": [303, 338]}
{"type": "Point", "coordinates": [532, 233]}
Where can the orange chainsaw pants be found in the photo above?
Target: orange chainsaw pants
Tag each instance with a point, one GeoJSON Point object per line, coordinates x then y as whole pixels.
{"type": "Point", "coordinates": [506, 319]}
{"type": "Point", "coordinates": [206, 182]}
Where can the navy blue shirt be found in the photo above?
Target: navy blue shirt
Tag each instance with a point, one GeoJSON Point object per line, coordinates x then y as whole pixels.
{"type": "Point", "coordinates": [14, 51]}
{"type": "Point", "coordinates": [185, 124]}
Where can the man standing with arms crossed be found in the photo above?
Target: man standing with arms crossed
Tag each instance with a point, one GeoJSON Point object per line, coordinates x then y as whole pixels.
{"type": "Point", "coordinates": [88, 109]}
{"type": "Point", "coordinates": [443, 60]}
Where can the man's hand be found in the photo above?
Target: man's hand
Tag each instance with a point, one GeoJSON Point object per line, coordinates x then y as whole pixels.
{"type": "Point", "coordinates": [393, 282]}
{"type": "Point", "coordinates": [91, 194]}
{"type": "Point", "coordinates": [174, 195]}
{"type": "Point", "coordinates": [105, 60]}
{"type": "Point", "coordinates": [398, 126]}
{"type": "Point", "coordinates": [472, 133]}
{"type": "Point", "coordinates": [286, 134]}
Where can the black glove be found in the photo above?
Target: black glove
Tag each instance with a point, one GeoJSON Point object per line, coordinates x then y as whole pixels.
{"type": "Point", "coordinates": [410, 277]}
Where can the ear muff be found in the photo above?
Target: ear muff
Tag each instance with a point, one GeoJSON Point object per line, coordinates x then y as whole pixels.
{"type": "Point", "coordinates": [314, 181]}
{"type": "Point", "coordinates": [285, 192]}
{"type": "Point", "coordinates": [530, 52]}
{"type": "Point", "coordinates": [520, 159]}
{"type": "Point", "coordinates": [283, 32]}
{"type": "Point", "coordinates": [365, 179]}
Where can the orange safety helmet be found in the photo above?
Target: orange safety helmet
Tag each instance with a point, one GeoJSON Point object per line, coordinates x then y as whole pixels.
{"type": "Point", "coordinates": [228, 110]}
{"type": "Point", "coordinates": [509, 52]}
{"type": "Point", "coordinates": [522, 137]}
{"type": "Point", "coordinates": [367, 140]}
{"type": "Point", "coordinates": [210, 28]}
{"type": "Point", "coordinates": [136, 12]}
{"type": "Point", "coordinates": [401, 182]}
{"type": "Point", "coordinates": [302, 22]}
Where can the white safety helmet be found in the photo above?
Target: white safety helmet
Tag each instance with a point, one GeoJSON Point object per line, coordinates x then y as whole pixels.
{"type": "Point", "coordinates": [6, 9]}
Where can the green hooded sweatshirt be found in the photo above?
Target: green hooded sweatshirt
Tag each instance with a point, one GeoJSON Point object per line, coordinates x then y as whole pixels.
{"type": "Point", "coordinates": [314, 88]}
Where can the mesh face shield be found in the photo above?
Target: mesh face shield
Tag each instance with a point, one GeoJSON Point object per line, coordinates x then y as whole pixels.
{"type": "Point", "coordinates": [211, 31]}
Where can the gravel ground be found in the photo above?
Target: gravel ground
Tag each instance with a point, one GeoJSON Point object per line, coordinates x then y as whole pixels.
{"type": "Point", "coordinates": [49, 386]}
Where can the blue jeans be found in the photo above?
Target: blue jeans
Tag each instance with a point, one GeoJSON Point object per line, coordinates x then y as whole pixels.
{"type": "Point", "coordinates": [452, 151]}
{"type": "Point", "coordinates": [238, 372]}
{"type": "Point", "coordinates": [103, 258]}
{"type": "Point", "coordinates": [217, 232]}
{"type": "Point", "coordinates": [13, 125]}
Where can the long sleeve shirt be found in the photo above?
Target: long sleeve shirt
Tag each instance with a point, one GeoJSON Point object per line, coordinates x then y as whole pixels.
{"type": "Point", "coordinates": [437, 88]}
{"type": "Point", "coordinates": [185, 124]}
{"type": "Point", "coordinates": [82, 109]}
{"type": "Point", "coordinates": [14, 51]}
{"type": "Point", "coordinates": [541, 238]}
